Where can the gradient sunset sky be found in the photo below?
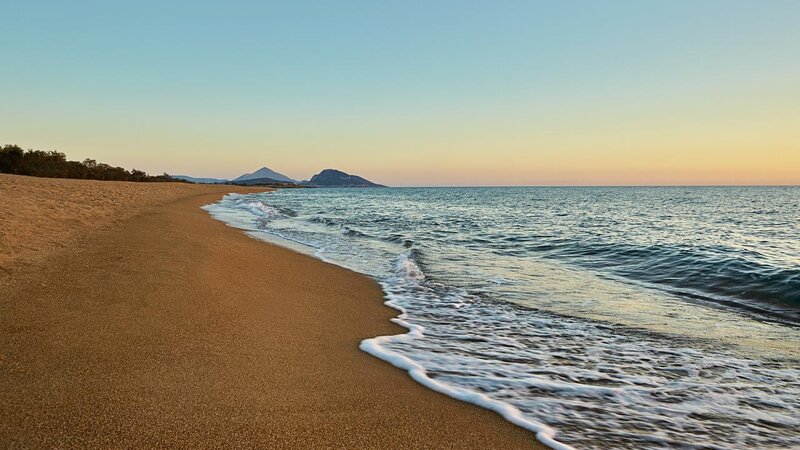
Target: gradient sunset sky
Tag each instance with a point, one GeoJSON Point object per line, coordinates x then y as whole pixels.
{"type": "Point", "coordinates": [412, 92]}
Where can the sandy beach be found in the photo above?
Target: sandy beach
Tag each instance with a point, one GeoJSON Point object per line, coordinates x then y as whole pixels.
{"type": "Point", "coordinates": [131, 318]}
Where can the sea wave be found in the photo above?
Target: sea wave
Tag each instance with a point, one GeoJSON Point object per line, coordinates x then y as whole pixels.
{"type": "Point", "coordinates": [717, 274]}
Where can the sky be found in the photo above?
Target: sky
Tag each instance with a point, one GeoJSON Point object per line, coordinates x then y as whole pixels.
{"type": "Point", "coordinates": [412, 92]}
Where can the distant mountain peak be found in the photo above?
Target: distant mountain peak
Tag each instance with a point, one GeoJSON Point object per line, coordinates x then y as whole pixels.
{"type": "Point", "coordinates": [265, 172]}
{"type": "Point", "coordinates": [200, 180]}
{"type": "Point", "coordinates": [337, 178]}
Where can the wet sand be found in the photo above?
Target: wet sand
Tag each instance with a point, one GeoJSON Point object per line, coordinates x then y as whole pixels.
{"type": "Point", "coordinates": [131, 318]}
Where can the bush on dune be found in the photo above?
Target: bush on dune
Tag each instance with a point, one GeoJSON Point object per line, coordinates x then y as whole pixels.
{"type": "Point", "coordinates": [52, 164]}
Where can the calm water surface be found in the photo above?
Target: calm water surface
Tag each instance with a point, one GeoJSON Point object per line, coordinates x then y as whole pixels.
{"type": "Point", "coordinates": [620, 317]}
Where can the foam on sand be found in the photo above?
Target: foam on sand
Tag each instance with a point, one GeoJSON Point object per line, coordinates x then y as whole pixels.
{"type": "Point", "coordinates": [375, 347]}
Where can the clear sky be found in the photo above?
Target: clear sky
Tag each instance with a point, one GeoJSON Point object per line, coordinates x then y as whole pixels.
{"type": "Point", "coordinates": [412, 92]}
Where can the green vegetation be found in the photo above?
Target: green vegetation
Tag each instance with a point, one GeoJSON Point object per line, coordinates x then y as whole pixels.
{"type": "Point", "coordinates": [52, 164]}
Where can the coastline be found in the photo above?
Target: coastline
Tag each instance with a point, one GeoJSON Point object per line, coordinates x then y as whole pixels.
{"type": "Point", "coordinates": [162, 326]}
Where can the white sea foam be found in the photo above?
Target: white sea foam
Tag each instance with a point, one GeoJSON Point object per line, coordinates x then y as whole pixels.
{"type": "Point", "coordinates": [407, 267]}
{"type": "Point", "coordinates": [262, 210]}
{"type": "Point", "coordinates": [376, 347]}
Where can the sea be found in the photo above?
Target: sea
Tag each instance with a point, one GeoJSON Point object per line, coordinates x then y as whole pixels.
{"type": "Point", "coordinates": [596, 317]}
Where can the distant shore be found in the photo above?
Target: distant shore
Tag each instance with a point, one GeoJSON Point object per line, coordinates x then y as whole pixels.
{"type": "Point", "coordinates": [131, 318]}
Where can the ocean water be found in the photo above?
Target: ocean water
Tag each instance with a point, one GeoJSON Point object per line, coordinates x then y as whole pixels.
{"type": "Point", "coordinates": [597, 317]}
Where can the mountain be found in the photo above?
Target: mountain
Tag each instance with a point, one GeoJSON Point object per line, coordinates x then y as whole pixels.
{"type": "Point", "coordinates": [199, 180]}
{"type": "Point", "coordinates": [258, 181]}
{"type": "Point", "coordinates": [337, 178]}
{"type": "Point", "coordinates": [265, 172]}
{"type": "Point", "coordinates": [266, 176]}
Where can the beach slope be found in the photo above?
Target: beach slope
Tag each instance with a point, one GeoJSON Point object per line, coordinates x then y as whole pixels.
{"type": "Point", "coordinates": [131, 318]}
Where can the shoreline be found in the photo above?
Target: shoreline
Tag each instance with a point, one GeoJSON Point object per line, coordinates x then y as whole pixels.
{"type": "Point", "coordinates": [375, 346]}
{"type": "Point", "coordinates": [166, 327]}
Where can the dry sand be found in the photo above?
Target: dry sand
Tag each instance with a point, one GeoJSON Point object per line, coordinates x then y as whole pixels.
{"type": "Point", "coordinates": [130, 318]}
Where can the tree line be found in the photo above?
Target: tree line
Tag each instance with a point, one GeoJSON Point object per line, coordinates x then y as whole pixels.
{"type": "Point", "coordinates": [53, 164]}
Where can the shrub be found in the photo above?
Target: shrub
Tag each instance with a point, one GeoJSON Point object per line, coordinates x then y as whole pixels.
{"type": "Point", "coordinates": [54, 164]}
